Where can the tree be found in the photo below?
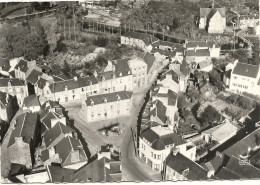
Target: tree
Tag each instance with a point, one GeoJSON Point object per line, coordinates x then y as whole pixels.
{"type": "Point", "coordinates": [193, 94]}
{"type": "Point", "coordinates": [51, 31]}
{"type": "Point", "coordinates": [210, 115]}
{"type": "Point", "coordinates": [100, 61]}
{"type": "Point", "coordinates": [101, 41]}
{"type": "Point", "coordinates": [241, 55]}
{"type": "Point", "coordinates": [175, 23]}
{"type": "Point", "coordinates": [56, 69]}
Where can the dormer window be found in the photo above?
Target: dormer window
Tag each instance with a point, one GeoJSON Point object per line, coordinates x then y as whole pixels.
{"type": "Point", "coordinates": [113, 75]}
{"type": "Point", "coordinates": [120, 74]}
{"type": "Point", "coordinates": [91, 102]}
{"type": "Point", "coordinates": [89, 82]}
{"type": "Point", "coordinates": [102, 78]}
{"type": "Point", "coordinates": [105, 100]}
{"type": "Point", "coordinates": [66, 87]}
{"type": "Point", "coordinates": [118, 98]}
{"type": "Point", "coordinates": [129, 72]}
{"type": "Point", "coordinates": [9, 83]}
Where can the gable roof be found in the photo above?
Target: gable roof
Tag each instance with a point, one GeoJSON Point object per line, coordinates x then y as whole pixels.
{"type": "Point", "coordinates": [179, 163]}
{"type": "Point", "coordinates": [205, 12]}
{"type": "Point", "coordinates": [59, 175]}
{"type": "Point", "coordinates": [13, 81]}
{"type": "Point", "coordinates": [34, 76]}
{"type": "Point", "coordinates": [121, 66]}
{"type": "Point", "coordinates": [23, 65]}
{"type": "Point", "coordinates": [198, 52]}
{"type": "Point", "coordinates": [31, 101]}
{"type": "Point", "coordinates": [198, 44]}
{"type": "Point", "coordinates": [205, 63]}
{"type": "Point", "coordinates": [72, 84]}
{"type": "Point", "coordinates": [110, 97]}
{"type": "Point", "coordinates": [66, 146]}
{"type": "Point", "coordinates": [175, 76]}
{"type": "Point", "coordinates": [146, 38]}
{"type": "Point", "coordinates": [41, 83]}
{"type": "Point", "coordinates": [246, 70]}
{"type": "Point", "coordinates": [149, 59]}
{"type": "Point", "coordinates": [5, 64]}
{"type": "Point", "coordinates": [159, 111]}
{"type": "Point", "coordinates": [55, 132]}
{"type": "Point", "coordinates": [172, 97]}
{"type": "Point", "coordinates": [160, 140]}
{"type": "Point", "coordinates": [46, 120]}
{"type": "Point", "coordinates": [25, 127]}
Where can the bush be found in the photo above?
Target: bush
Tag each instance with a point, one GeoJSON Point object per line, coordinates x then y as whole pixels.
{"type": "Point", "coordinates": [101, 41]}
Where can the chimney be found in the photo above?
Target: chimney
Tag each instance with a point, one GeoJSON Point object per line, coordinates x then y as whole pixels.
{"type": "Point", "coordinates": [195, 50]}
{"type": "Point", "coordinates": [175, 151]}
{"type": "Point", "coordinates": [206, 40]}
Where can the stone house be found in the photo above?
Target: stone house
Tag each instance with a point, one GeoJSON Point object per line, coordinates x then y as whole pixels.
{"type": "Point", "coordinates": [156, 143]}
{"type": "Point", "coordinates": [107, 106]}
{"type": "Point", "coordinates": [213, 19]}
{"type": "Point", "coordinates": [135, 39]}
{"type": "Point", "coordinates": [14, 87]}
{"type": "Point", "coordinates": [23, 140]}
{"type": "Point", "coordinates": [8, 106]}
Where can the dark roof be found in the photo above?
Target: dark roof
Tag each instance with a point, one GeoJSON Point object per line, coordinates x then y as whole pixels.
{"type": "Point", "coordinates": [147, 38]}
{"type": "Point", "coordinates": [251, 16]}
{"type": "Point", "coordinates": [13, 81]}
{"type": "Point", "coordinates": [97, 172]}
{"type": "Point", "coordinates": [48, 117]}
{"type": "Point", "coordinates": [55, 132]}
{"type": "Point", "coordinates": [194, 44]}
{"type": "Point", "coordinates": [241, 147]}
{"type": "Point", "coordinates": [31, 101]}
{"type": "Point", "coordinates": [110, 97]}
{"type": "Point", "coordinates": [206, 12]}
{"type": "Point", "coordinates": [121, 66]}
{"type": "Point", "coordinates": [66, 146]}
{"type": "Point", "coordinates": [234, 166]}
{"type": "Point", "coordinates": [34, 76]}
{"type": "Point", "coordinates": [164, 52]}
{"type": "Point", "coordinates": [179, 163]}
{"type": "Point", "coordinates": [25, 127]}
{"type": "Point", "coordinates": [166, 43]}
{"type": "Point", "coordinates": [184, 68]}
{"type": "Point", "coordinates": [172, 97]}
{"type": "Point", "coordinates": [159, 111]}
{"type": "Point", "coordinates": [228, 73]}
{"type": "Point", "coordinates": [5, 64]}
{"type": "Point", "coordinates": [16, 169]}
{"type": "Point", "coordinates": [149, 60]}
{"type": "Point", "coordinates": [246, 70]}
{"type": "Point", "coordinates": [59, 175]}
{"type": "Point", "coordinates": [23, 65]}
{"type": "Point", "coordinates": [72, 83]}
{"type": "Point", "coordinates": [45, 155]}
{"type": "Point", "coordinates": [3, 99]}
{"type": "Point", "coordinates": [108, 75]}
{"type": "Point", "coordinates": [198, 52]}
{"type": "Point", "coordinates": [159, 142]}
{"type": "Point", "coordinates": [175, 76]}
{"type": "Point", "coordinates": [41, 83]}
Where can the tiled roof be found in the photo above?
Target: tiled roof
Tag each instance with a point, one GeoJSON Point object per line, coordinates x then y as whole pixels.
{"type": "Point", "coordinates": [121, 66]}
{"type": "Point", "coordinates": [72, 84]}
{"type": "Point", "coordinates": [31, 101]}
{"type": "Point", "coordinates": [67, 145]}
{"type": "Point", "coordinates": [246, 70]}
{"type": "Point", "coordinates": [59, 175]}
{"type": "Point", "coordinates": [198, 52]}
{"type": "Point", "coordinates": [159, 142]}
{"type": "Point", "coordinates": [175, 76]}
{"type": "Point", "coordinates": [23, 65]}
{"type": "Point", "coordinates": [241, 147]}
{"type": "Point", "coordinates": [164, 52]}
{"type": "Point", "coordinates": [159, 111]}
{"type": "Point", "coordinates": [179, 163]}
{"type": "Point", "coordinates": [172, 97]}
{"type": "Point", "coordinates": [252, 16]}
{"type": "Point", "coordinates": [34, 76]}
{"type": "Point", "coordinates": [3, 96]}
{"type": "Point", "coordinates": [41, 83]}
{"type": "Point", "coordinates": [228, 73]}
{"type": "Point", "coordinates": [47, 119]}
{"type": "Point", "coordinates": [184, 68]}
{"type": "Point", "coordinates": [55, 132]}
{"type": "Point", "coordinates": [45, 155]}
{"type": "Point", "coordinates": [147, 38]}
{"type": "Point", "coordinates": [25, 127]}
{"type": "Point", "coordinates": [205, 63]}
{"type": "Point", "coordinates": [5, 64]}
{"type": "Point", "coordinates": [164, 43]}
{"type": "Point", "coordinates": [149, 59]}
{"type": "Point", "coordinates": [110, 97]}
{"type": "Point", "coordinates": [206, 11]}
{"type": "Point", "coordinates": [194, 44]}
{"type": "Point", "coordinates": [13, 81]}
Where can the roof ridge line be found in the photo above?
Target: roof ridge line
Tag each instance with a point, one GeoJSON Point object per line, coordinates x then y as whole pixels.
{"type": "Point", "coordinates": [23, 124]}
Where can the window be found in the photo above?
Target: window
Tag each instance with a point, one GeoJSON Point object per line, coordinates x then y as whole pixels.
{"type": "Point", "coordinates": [75, 156]}
{"type": "Point", "coordinates": [157, 167]}
{"type": "Point", "coordinates": [105, 114]}
{"type": "Point", "coordinates": [152, 154]}
{"type": "Point", "coordinates": [73, 97]}
{"type": "Point", "coordinates": [99, 115]}
{"type": "Point", "coordinates": [158, 156]}
{"type": "Point", "coordinates": [92, 115]}
{"type": "Point", "coordinates": [118, 111]}
{"type": "Point", "coordinates": [114, 89]}
{"type": "Point", "coordinates": [82, 89]}
{"type": "Point", "coordinates": [73, 91]}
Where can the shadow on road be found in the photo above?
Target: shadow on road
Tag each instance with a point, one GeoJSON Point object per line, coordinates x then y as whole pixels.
{"type": "Point", "coordinates": [80, 137]}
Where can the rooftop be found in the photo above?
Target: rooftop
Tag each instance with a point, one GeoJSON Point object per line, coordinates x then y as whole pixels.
{"type": "Point", "coordinates": [247, 70]}
{"type": "Point", "coordinates": [34, 76]}
{"type": "Point", "coordinates": [198, 52]}
{"type": "Point", "coordinates": [13, 82]}
{"type": "Point", "coordinates": [31, 101]}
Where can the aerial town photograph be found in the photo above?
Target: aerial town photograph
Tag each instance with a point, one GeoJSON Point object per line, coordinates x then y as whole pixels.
{"type": "Point", "coordinates": [129, 91]}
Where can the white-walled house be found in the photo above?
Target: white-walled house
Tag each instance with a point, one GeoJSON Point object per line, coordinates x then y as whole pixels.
{"type": "Point", "coordinates": [197, 56]}
{"type": "Point", "coordinates": [135, 39]}
{"type": "Point", "coordinates": [107, 106]}
{"type": "Point", "coordinates": [156, 143]}
{"type": "Point", "coordinates": [213, 47]}
{"type": "Point", "coordinates": [31, 103]}
{"type": "Point", "coordinates": [139, 72]}
{"type": "Point", "coordinates": [245, 78]}
{"type": "Point", "coordinates": [246, 21]}
{"type": "Point", "coordinates": [213, 19]}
